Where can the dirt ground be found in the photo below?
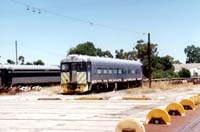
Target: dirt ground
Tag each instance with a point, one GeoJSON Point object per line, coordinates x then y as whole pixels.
{"type": "Point", "coordinates": [48, 111]}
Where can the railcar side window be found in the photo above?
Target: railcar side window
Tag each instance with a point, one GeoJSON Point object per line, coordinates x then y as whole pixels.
{"type": "Point", "coordinates": [124, 71]}
{"type": "Point", "coordinates": [137, 71]}
{"type": "Point", "coordinates": [132, 71]}
{"type": "Point", "coordinates": [119, 71]}
{"type": "Point", "coordinates": [105, 71]}
{"type": "Point", "coordinates": [81, 67]}
{"type": "Point", "coordinates": [129, 71]}
{"type": "Point", "coordinates": [115, 71]}
{"type": "Point", "coordinates": [110, 71]}
{"type": "Point", "coordinates": [65, 67]}
{"type": "Point", "coordinates": [99, 71]}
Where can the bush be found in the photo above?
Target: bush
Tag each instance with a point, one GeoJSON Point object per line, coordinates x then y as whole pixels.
{"type": "Point", "coordinates": [184, 73]}
{"type": "Point", "coordinates": [164, 74]}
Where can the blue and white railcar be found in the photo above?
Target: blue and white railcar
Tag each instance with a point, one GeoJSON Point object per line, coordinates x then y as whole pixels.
{"type": "Point", "coordinates": [80, 73]}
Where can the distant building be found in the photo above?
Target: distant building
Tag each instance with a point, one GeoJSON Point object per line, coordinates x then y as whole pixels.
{"type": "Point", "coordinates": [193, 67]}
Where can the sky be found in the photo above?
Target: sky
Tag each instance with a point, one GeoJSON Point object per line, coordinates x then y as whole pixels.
{"type": "Point", "coordinates": [109, 24]}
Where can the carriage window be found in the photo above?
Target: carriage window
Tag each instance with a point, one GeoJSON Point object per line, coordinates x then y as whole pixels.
{"type": "Point", "coordinates": [124, 71]}
{"type": "Point", "coordinates": [137, 71]}
{"type": "Point", "coordinates": [81, 67]}
{"type": "Point", "coordinates": [119, 71]}
{"type": "Point", "coordinates": [110, 71]}
{"type": "Point", "coordinates": [65, 67]}
{"type": "Point", "coordinates": [132, 71]}
{"type": "Point", "coordinates": [115, 71]}
{"type": "Point", "coordinates": [99, 70]}
{"type": "Point", "coordinates": [105, 71]}
{"type": "Point", "coordinates": [129, 71]}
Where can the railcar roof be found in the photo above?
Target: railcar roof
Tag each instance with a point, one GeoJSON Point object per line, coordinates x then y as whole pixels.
{"type": "Point", "coordinates": [84, 58]}
{"type": "Point", "coordinates": [29, 67]}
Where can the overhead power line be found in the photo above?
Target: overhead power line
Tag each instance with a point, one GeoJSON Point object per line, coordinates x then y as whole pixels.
{"type": "Point", "coordinates": [40, 10]}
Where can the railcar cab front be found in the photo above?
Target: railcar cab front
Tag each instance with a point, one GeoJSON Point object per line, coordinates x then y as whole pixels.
{"type": "Point", "coordinates": [75, 76]}
{"type": "Point", "coordinates": [73, 68]}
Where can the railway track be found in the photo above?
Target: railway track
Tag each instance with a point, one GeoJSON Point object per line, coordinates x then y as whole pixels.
{"type": "Point", "coordinates": [194, 80]}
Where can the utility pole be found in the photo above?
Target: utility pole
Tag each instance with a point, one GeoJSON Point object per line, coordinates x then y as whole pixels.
{"type": "Point", "coordinates": [149, 59]}
{"type": "Point", "coordinates": [16, 52]}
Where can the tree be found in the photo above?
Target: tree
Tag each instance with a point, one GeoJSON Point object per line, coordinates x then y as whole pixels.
{"type": "Point", "coordinates": [21, 59]}
{"type": "Point", "coordinates": [142, 54]}
{"type": "Point", "coordinates": [142, 49]}
{"type": "Point", "coordinates": [88, 48]}
{"type": "Point", "coordinates": [107, 54]}
{"type": "Point", "coordinates": [130, 55]}
{"type": "Point", "coordinates": [167, 62]}
{"type": "Point", "coordinates": [164, 74]}
{"type": "Point", "coordinates": [193, 54]}
{"type": "Point", "coordinates": [184, 73]}
{"type": "Point", "coordinates": [176, 62]}
{"type": "Point", "coordinates": [119, 54]}
{"type": "Point", "coordinates": [9, 61]}
{"type": "Point", "coordinates": [99, 52]}
{"type": "Point", "coordinates": [161, 66]}
{"type": "Point", "coordinates": [28, 63]}
{"type": "Point", "coordinates": [38, 62]}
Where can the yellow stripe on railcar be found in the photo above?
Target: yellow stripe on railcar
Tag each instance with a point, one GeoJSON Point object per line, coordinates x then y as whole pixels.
{"type": "Point", "coordinates": [81, 77]}
{"type": "Point", "coordinates": [64, 77]}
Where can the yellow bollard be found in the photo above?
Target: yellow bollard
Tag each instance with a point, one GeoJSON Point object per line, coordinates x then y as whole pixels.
{"type": "Point", "coordinates": [129, 125]}
{"type": "Point", "coordinates": [188, 104]}
{"type": "Point", "coordinates": [175, 109]}
{"type": "Point", "coordinates": [158, 116]}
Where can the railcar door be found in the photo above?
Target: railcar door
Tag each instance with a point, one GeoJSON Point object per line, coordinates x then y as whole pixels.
{"type": "Point", "coordinates": [88, 71]}
{"type": "Point", "coordinates": [73, 73]}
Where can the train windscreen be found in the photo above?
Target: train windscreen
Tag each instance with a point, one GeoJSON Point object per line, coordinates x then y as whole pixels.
{"type": "Point", "coordinates": [73, 68]}
{"type": "Point", "coordinates": [65, 67]}
{"type": "Point", "coordinates": [79, 67]}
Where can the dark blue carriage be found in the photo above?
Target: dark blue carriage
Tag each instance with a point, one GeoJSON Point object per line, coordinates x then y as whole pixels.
{"type": "Point", "coordinates": [80, 73]}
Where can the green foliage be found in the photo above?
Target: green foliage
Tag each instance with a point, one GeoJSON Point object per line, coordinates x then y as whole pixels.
{"type": "Point", "coordinates": [88, 48]}
{"type": "Point", "coordinates": [164, 74]}
{"type": "Point", "coordinates": [9, 61]}
{"type": "Point", "coordinates": [21, 59]}
{"type": "Point", "coordinates": [184, 73]}
{"type": "Point", "coordinates": [106, 54]}
{"type": "Point", "coordinates": [84, 49]}
{"type": "Point", "coordinates": [38, 62]}
{"type": "Point", "coordinates": [162, 67]}
{"type": "Point", "coordinates": [130, 55]}
{"type": "Point", "coordinates": [142, 49]}
{"type": "Point", "coordinates": [176, 62]}
{"type": "Point", "coordinates": [28, 63]}
{"type": "Point", "coordinates": [119, 54]}
{"type": "Point", "coordinates": [193, 54]}
{"type": "Point", "coordinates": [159, 64]}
